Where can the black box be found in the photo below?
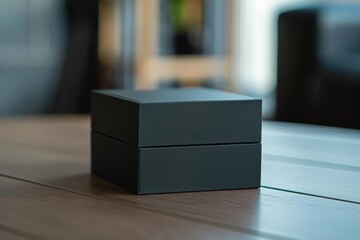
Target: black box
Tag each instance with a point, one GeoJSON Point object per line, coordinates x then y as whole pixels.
{"type": "Point", "coordinates": [176, 139]}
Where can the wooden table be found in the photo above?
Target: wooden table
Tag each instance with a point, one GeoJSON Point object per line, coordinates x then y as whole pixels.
{"type": "Point", "coordinates": [310, 179]}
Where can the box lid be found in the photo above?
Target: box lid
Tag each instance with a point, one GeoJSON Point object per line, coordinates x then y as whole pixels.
{"type": "Point", "coordinates": [176, 117]}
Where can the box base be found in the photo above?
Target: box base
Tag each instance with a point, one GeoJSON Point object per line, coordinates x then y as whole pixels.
{"type": "Point", "coordinates": [176, 169]}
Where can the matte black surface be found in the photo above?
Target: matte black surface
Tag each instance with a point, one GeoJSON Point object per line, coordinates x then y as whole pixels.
{"type": "Point", "coordinates": [198, 168]}
{"type": "Point", "coordinates": [200, 123]}
{"type": "Point", "coordinates": [176, 117]}
{"type": "Point", "coordinates": [176, 169]}
{"type": "Point", "coordinates": [115, 117]}
{"type": "Point", "coordinates": [115, 162]}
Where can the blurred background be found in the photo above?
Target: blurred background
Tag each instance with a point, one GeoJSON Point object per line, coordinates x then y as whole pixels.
{"type": "Point", "coordinates": [302, 57]}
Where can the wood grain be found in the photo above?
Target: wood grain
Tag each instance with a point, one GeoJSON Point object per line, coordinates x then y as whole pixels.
{"type": "Point", "coordinates": [40, 212]}
{"type": "Point", "coordinates": [57, 155]}
{"type": "Point", "coordinates": [66, 133]}
{"type": "Point", "coordinates": [9, 235]}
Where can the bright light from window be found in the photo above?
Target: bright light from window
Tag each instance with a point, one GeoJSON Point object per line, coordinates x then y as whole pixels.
{"type": "Point", "coordinates": [257, 44]}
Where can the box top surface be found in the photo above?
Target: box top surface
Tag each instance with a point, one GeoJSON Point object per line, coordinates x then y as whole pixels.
{"type": "Point", "coordinates": [176, 117]}
{"type": "Point", "coordinates": [175, 95]}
